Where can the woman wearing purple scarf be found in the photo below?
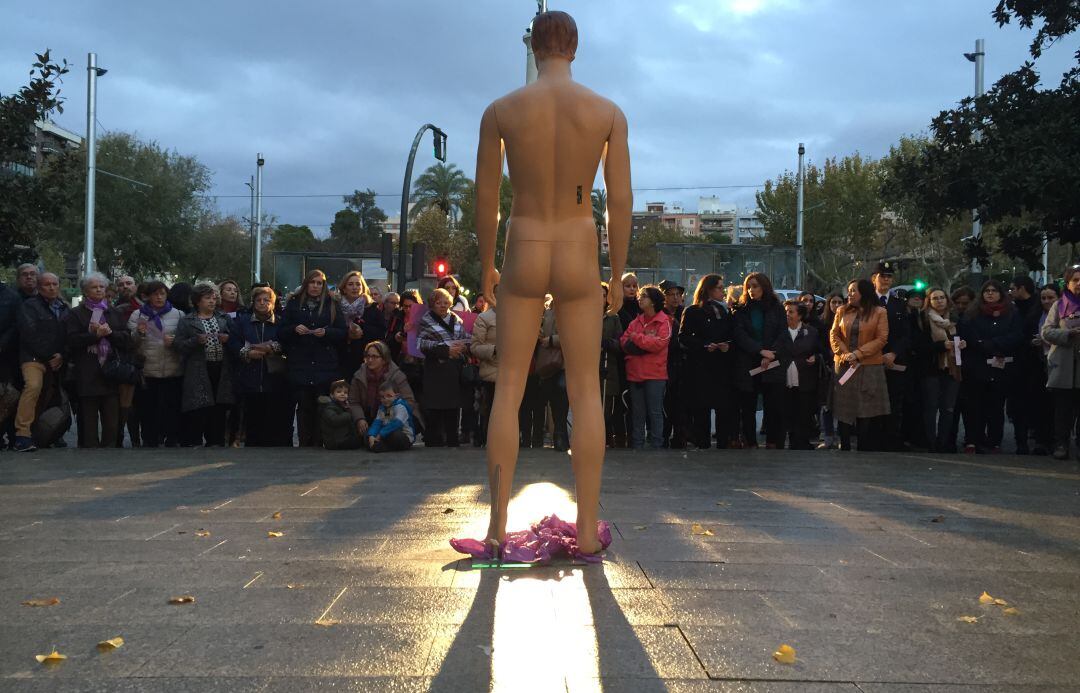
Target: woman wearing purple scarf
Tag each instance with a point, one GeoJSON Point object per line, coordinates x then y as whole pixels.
{"type": "Point", "coordinates": [95, 331]}
{"type": "Point", "coordinates": [157, 402]}
{"type": "Point", "coordinates": [1061, 330]}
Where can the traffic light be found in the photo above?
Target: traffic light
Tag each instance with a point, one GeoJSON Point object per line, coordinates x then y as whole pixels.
{"type": "Point", "coordinates": [920, 285]}
{"type": "Point", "coordinates": [440, 268]}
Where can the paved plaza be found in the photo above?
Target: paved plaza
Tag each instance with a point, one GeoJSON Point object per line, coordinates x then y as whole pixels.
{"type": "Point", "coordinates": [870, 566]}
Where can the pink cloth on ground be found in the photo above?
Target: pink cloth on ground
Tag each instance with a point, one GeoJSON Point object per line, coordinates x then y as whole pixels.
{"type": "Point", "coordinates": [547, 539]}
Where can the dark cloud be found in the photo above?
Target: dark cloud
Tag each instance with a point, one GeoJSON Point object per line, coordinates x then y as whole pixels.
{"type": "Point", "coordinates": [716, 92]}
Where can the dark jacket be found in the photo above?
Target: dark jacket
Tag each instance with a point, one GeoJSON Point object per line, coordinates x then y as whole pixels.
{"type": "Point", "coordinates": [749, 346]}
{"type": "Point", "coordinates": [42, 333]}
{"type": "Point", "coordinates": [926, 353]}
{"type": "Point", "coordinates": [197, 390]}
{"type": "Point", "coordinates": [630, 310]}
{"type": "Point", "coordinates": [358, 391]}
{"type": "Point", "coordinates": [442, 374]}
{"type": "Point", "coordinates": [987, 337]}
{"type": "Point", "coordinates": [337, 426]}
{"type": "Point", "coordinates": [373, 323]}
{"type": "Point", "coordinates": [312, 361]}
{"type": "Point", "coordinates": [899, 341]}
{"type": "Point", "coordinates": [708, 373]}
{"type": "Point", "coordinates": [9, 332]}
{"type": "Point", "coordinates": [253, 375]}
{"type": "Point", "coordinates": [89, 381]}
{"type": "Point", "coordinates": [805, 345]}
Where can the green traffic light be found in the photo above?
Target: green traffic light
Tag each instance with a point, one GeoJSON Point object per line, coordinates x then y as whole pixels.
{"type": "Point", "coordinates": [920, 285]}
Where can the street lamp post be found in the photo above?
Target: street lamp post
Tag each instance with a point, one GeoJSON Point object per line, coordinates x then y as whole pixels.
{"type": "Point", "coordinates": [530, 58]}
{"type": "Point", "coordinates": [251, 225]}
{"type": "Point", "coordinates": [978, 57]}
{"type": "Point", "coordinates": [259, 161]}
{"type": "Point", "coordinates": [93, 72]}
{"type": "Point", "coordinates": [440, 154]}
{"type": "Point", "coordinates": [799, 222]}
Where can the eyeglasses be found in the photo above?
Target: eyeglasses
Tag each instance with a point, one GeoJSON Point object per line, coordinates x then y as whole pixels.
{"type": "Point", "coordinates": [373, 356]}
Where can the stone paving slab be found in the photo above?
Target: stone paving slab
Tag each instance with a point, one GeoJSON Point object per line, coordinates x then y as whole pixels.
{"type": "Point", "coordinates": [863, 563]}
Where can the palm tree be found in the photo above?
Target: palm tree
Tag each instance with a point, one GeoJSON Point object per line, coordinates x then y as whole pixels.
{"type": "Point", "coordinates": [441, 185]}
{"type": "Point", "coordinates": [599, 208]}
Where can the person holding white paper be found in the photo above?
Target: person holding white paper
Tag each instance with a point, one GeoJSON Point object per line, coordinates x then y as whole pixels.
{"type": "Point", "coordinates": [859, 333]}
{"type": "Point", "coordinates": [936, 343]}
{"type": "Point", "coordinates": [994, 332]}
{"type": "Point", "coordinates": [759, 324]}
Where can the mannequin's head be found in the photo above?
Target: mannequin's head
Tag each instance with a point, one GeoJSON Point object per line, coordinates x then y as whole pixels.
{"type": "Point", "coordinates": [554, 34]}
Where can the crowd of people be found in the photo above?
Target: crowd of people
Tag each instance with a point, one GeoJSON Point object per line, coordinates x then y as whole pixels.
{"type": "Point", "coordinates": [345, 366]}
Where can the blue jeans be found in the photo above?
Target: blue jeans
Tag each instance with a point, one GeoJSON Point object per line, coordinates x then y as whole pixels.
{"type": "Point", "coordinates": [647, 401]}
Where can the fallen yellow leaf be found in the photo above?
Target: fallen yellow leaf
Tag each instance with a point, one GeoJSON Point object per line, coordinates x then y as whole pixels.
{"type": "Point", "coordinates": [183, 599]}
{"type": "Point", "coordinates": [985, 598]}
{"type": "Point", "coordinates": [276, 516]}
{"type": "Point", "coordinates": [1001, 602]}
{"type": "Point", "coordinates": [275, 534]}
{"type": "Point", "coordinates": [641, 528]}
{"type": "Point", "coordinates": [294, 586]}
{"type": "Point", "coordinates": [50, 658]}
{"type": "Point", "coordinates": [52, 601]}
{"type": "Point", "coordinates": [722, 503]}
{"type": "Point", "coordinates": [206, 510]}
{"type": "Point", "coordinates": [1012, 611]}
{"type": "Point", "coordinates": [110, 644]}
{"type": "Point", "coordinates": [785, 654]}
{"type": "Point", "coordinates": [327, 622]}
{"type": "Point", "coordinates": [968, 619]}
{"type": "Point", "coordinates": [698, 529]}
{"type": "Point", "coordinates": [202, 533]}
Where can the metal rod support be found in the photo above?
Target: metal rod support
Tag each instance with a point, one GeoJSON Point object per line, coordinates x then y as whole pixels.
{"type": "Point", "coordinates": [799, 222]}
{"type": "Point", "coordinates": [404, 227]}
{"type": "Point", "coordinates": [91, 159]}
{"type": "Point", "coordinates": [258, 217]}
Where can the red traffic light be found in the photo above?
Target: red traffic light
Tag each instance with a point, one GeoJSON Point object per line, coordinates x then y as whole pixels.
{"type": "Point", "coordinates": [442, 268]}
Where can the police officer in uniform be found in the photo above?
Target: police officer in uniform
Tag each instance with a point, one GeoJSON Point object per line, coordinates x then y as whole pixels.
{"type": "Point", "coordinates": [896, 352]}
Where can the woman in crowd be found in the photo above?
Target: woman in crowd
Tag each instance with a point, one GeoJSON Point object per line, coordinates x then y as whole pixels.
{"type": "Point", "coordinates": [262, 384]}
{"type": "Point", "coordinates": [613, 376]}
{"type": "Point", "coordinates": [833, 303]}
{"type": "Point", "coordinates": [993, 331]}
{"type": "Point", "coordinates": [630, 307]}
{"type": "Point", "coordinates": [1061, 329]}
{"type": "Point", "coordinates": [759, 324]}
{"type": "Point", "coordinates": [1043, 416]}
{"type": "Point", "coordinates": [480, 304]}
{"type": "Point", "coordinates": [442, 340]}
{"type": "Point", "coordinates": [411, 365]}
{"type": "Point", "coordinates": [96, 333]}
{"type": "Point", "coordinates": [483, 350]}
{"type": "Point", "coordinates": [153, 327]}
{"type": "Point", "coordinates": [312, 330]}
{"type": "Point", "coordinates": [363, 317]}
{"type": "Point", "coordinates": [645, 343]}
{"type": "Point", "coordinates": [961, 298]}
{"type": "Point", "coordinates": [706, 335]}
{"type": "Point", "coordinates": [798, 352]}
{"type": "Point", "coordinates": [858, 335]}
{"type": "Point", "coordinates": [936, 372]}
{"type": "Point", "coordinates": [377, 372]}
{"type": "Point", "coordinates": [207, 389]}
{"type": "Point", "coordinates": [452, 286]}
{"type": "Point", "coordinates": [180, 297]}
{"type": "Point", "coordinates": [230, 305]}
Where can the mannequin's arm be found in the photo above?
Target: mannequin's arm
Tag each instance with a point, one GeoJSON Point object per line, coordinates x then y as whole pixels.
{"type": "Point", "coordinates": [489, 156]}
{"type": "Point", "coordinates": [620, 200]}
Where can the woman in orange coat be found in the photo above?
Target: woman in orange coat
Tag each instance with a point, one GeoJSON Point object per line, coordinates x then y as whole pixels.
{"type": "Point", "coordinates": [858, 335]}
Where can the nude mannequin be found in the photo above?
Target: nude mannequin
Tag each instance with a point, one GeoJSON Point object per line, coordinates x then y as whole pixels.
{"type": "Point", "coordinates": [555, 133]}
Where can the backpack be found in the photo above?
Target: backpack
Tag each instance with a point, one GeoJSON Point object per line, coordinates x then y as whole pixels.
{"type": "Point", "coordinates": [54, 414]}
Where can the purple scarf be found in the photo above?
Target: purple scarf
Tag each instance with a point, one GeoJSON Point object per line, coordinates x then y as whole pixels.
{"type": "Point", "coordinates": [103, 347]}
{"type": "Point", "coordinates": [155, 315]}
{"type": "Point", "coordinates": [1069, 304]}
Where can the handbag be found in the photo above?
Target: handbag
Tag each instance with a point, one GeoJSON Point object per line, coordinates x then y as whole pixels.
{"type": "Point", "coordinates": [121, 370]}
{"type": "Point", "coordinates": [549, 361]}
{"type": "Point", "coordinates": [275, 364]}
{"type": "Point", "coordinates": [470, 375]}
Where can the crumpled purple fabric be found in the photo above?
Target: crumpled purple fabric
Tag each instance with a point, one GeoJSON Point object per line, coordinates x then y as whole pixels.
{"type": "Point", "coordinates": [544, 541]}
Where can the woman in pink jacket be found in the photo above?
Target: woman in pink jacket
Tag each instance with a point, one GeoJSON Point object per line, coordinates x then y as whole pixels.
{"type": "Point", "coordinates": [645, 343]}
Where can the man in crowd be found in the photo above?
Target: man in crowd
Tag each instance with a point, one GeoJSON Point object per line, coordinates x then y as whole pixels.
{"type": "Point", "coordinates": [42, 339]}
{"type": "Point", "coordinates": [1024, 388]}
{"type": "Point", "coordinates": [676, 414]}
{"type": "Point", "coordinates": [127, 299]}
{"type": "Point", "coordinates": [9, 357]}
{"type": "Point", "coordinates": [26, 280]}
{"type": "Point", "coordinates": [896, 351]}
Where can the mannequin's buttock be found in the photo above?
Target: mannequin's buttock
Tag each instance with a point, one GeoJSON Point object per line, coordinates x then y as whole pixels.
{"type": "Point", "coordinates": [559, 258]}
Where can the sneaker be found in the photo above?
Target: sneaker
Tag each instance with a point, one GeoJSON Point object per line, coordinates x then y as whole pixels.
{"type": "Point", "coordinates": [969, 449]}
{"type": "Point", "coordinates": [23, 444]}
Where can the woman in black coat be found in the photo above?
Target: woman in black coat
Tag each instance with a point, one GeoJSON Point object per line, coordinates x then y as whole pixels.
{"type": "Point", "coordinates": [445, 347]}
{"type": "Point", "coordinates": [312, 330]}
{"type": "Point", "coordinates": [799, 354]}
{"type": "Point", "coordinates": [994, 332]}
{"type": "Point", "coordinates": [364, 321]}
{"type": "Point", "coordinates": [262, 384]}
{"type": "Point", "coordinates": [759, 323]}
{"type": "Point", "coordinates": [706, 336]}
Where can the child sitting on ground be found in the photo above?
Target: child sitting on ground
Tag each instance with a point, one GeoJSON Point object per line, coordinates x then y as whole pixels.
{"type": "Point", "coordinates": [335, 419]}
{"type": "Point", "coordinates": [393, 428]}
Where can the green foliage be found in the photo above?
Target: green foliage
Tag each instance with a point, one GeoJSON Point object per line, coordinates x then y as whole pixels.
{"type": "Point", "coordinates": [468, 266]}
{"type": "Point", "coordinates": [25, 206]}
{"type": "Point", "coordinates": [143, 225]}
{"type": "Point", "coordinates": [290, 238]}
{"type": "Point", "coordinates": [219, 248]}
{"type": "Point", "coordinates": [643, 246]}
{"type": "Point", "coordinates": [358, 227]}
{"type": "Point", "coordinates": [443, 186]}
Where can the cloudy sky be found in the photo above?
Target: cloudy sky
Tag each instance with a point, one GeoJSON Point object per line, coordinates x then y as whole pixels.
{"type": "Point", "coordinates": [717, 92]}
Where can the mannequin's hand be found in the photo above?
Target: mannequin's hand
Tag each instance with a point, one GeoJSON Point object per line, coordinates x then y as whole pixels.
{"type": "Point", "coordinates": [615, 296]}
{"type": "Point", "coordinates": [489, 281]}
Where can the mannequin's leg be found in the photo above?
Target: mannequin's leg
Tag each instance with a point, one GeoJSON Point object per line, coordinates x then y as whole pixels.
{"type": "Point", "coordinates": [517, 329]}
{"type": "Point", "coordinates": [579, 322]}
